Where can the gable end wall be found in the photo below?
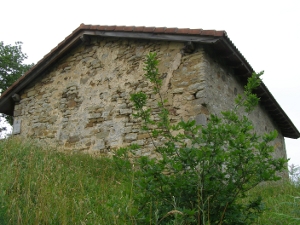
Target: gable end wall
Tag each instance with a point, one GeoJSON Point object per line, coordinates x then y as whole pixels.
{"type": "Point", "coordinates": [82, 103]}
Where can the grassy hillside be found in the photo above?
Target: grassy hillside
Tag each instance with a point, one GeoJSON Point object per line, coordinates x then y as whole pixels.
{"type": "Point", "coordinates": [42, 186]}
{"type": "Point", "coordinates": [39, 186]}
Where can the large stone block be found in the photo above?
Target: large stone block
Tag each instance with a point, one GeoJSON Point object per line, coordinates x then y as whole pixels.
{"type": "Point", "coordinates": [131, 136]}
{"type": "Point", "coordinates": [73, 139]}
{"type": "Point", "coordinates": [31, 93]}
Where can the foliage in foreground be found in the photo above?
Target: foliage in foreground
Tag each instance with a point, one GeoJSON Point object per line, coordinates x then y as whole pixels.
{"type": "Point", "coordinates": [39, 186]}
{"type": "Point", "coordinates": [204, 171]}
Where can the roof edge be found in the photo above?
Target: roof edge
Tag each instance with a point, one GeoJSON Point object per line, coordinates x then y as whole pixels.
{"type": "Point", "coordinates": [154, 33]}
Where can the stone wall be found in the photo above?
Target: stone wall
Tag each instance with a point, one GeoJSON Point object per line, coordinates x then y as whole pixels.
{"type": "Point", "coordinates": [226, 88]}
{"type": "Point", "coordinates": [212, 88]}
{"type": "Point", "coordinates": [82, 102]}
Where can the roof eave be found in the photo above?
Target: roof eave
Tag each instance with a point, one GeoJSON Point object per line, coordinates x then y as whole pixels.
{"type": "Point", "coordinates": [6, 103]}
{"type": "Point", "coordinates": [218, 39]}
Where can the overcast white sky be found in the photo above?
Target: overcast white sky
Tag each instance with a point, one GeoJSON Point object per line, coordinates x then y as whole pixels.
{"type": "Point", "coordinates": [266, 32]}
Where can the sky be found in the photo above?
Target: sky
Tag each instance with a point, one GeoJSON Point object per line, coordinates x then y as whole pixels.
{"type": "Point", "coordinates": [266, 32]}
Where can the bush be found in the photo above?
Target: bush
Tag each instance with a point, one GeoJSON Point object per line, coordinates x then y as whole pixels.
{"type": "Point", "coordinates": [203, 171]}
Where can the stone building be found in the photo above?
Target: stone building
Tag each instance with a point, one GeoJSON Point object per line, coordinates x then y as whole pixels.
{"type": "Point", "coordinates": [77, 96]}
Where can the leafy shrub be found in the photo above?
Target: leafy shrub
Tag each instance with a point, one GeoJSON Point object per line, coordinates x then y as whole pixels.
{"type": "Point", "coordinates": [203, 170]}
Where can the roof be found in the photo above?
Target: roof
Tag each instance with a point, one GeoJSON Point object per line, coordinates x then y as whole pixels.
{"type": "Point", "coordinates": [217, 40]}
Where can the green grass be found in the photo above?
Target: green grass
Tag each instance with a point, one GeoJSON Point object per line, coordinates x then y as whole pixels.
{"type": "Point", "coordinates": [43, 186]}
{"type": "Point", "coordinates": [282, 202]}
{"type": "Point", "coordinates": [39, 186]}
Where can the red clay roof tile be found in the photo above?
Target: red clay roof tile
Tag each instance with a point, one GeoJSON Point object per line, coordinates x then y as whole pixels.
{"type": "Point", "coordinates": [129, 29]}
{"type": "Point", "coordinates": [119, 28]}
{"type": "Point", "coordinates": [208, 32]}
{"type": "Point", "coordinates": [101, 27]}
{"type": "Point", "coordinates": [195, 31]}
{"type": "Point", "coordinates": [87, 27]}
{"type": "Point", "coordinates": [110, 28]}
{"type": "Point", "coordinates": [139, 29]}
{"type": "Point", "coordinates": [149, 29]}
{"type": "Point", "coordinates": [183, 31]}
{"type": "Point", "coordinates": [94, 27]}
{"type": "Point", "coordinates": [160, 29]}
{"type": "Point", "coordinates": [220, 33]}
{"type": "Point", "coordinates": [171, 30]}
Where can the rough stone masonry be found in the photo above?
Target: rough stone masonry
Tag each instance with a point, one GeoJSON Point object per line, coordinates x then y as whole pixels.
{"type": "Point", "coordinates": [82, 102]}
